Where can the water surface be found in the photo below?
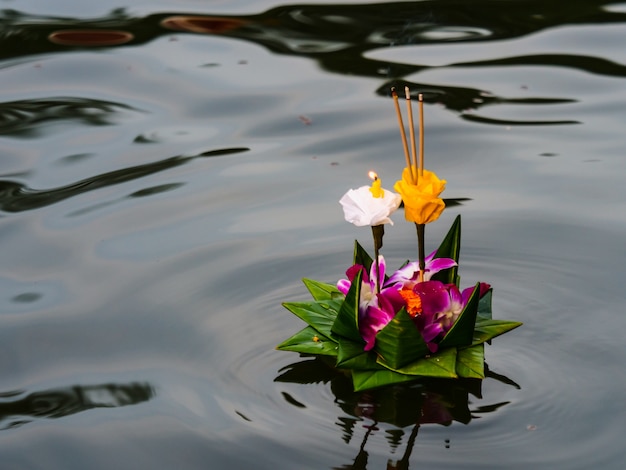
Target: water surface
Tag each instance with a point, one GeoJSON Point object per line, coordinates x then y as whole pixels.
{"type": "Point", "coordinates": [160, 197]}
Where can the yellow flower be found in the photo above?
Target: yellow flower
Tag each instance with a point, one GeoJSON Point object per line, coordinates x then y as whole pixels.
{"type": "Point", "coordinates": [422, 204]}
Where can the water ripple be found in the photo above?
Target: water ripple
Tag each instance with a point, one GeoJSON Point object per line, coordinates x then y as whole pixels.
{"type": "Point", "coordinates": [462, 99]}
{"type": "Point", "coordinates": [509, 122]}
{"type": "Point", "coordinates": [17, 197]}
{"type": "Point", "coordinates": [23, 118]}
{"type": "Point", "coordinates": [17, 409]}
{"type": "Point", "coordinates": [320, 34]}
{"type": "Point", "coordinates": [194, 283]}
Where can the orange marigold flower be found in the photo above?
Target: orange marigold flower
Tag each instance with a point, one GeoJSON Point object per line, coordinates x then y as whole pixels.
{"type": "Point", "coordinates": [413, 302]}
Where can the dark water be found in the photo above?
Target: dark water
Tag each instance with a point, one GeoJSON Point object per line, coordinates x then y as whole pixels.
{"type": "Point", "coordinates": [161, 192]}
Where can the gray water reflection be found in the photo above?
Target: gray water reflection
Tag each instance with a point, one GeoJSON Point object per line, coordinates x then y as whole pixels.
{"type": "Point", "coordinates": [16, 197]}
{"type": "Point", "coordinates": [127, 254]}
{"type": "Point", "coordinates": [16, 409]}
{"type": "Point", "coordinates": [339, 37]}
{"type": "Point", "coordinates": [24, 118]}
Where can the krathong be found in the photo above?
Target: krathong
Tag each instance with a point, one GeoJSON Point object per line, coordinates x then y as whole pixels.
{"type": "Point", "coordinates": [386, 328]}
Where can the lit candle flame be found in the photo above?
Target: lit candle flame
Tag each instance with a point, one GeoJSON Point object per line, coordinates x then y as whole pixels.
{"type": "Point", "coordinates": [376, 189]}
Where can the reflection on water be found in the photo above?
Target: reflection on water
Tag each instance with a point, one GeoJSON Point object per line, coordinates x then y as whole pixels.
{"type": "Point", "coordinates": [464, 99]}
{"type": "Point", "coordinates": [23, 118]}
{"type": "Point", "coordinates": [90, 37]}
{"type": "Point", "coordinates": [393, 409]}
{"type": "Point", "coordinates": [202, 24]}
{"type": "Point", "coordinates": [185, 267]}
{"type": "Point", "coordinates": [16, 197]}
{"type": "Point", "coordinates": [339, 37]}
{"type": "Point", "coordinates": [61, 402]}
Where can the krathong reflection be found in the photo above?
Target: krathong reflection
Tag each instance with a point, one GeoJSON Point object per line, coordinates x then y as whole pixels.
{"type": "Point", "coordinates": [396, 412]}
{"type": "Point", "coordinates": [416, 322]}
{"type": "Point", "coordinates": [16, 409]}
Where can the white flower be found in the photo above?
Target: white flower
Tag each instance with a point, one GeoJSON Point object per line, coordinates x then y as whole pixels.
{"type": "Point", "coordinates": [361, 208]}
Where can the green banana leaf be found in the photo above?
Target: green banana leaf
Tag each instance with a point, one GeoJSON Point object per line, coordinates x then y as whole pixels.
{"type": "Point", "coordinates": [441, 364]}
{"type": "Point", "coordinates": [362, 257]}
{"type": "Point", "coordinates": [488, 329]}
{"type": "Point", "coordinates": [470, 362]}
{"type": "Point", "coordinates": [309, 341]}
{"type": "Point", "coordinates": [450, 247]}
{"type": "Point", "coordinates": [367, 379]}
{"type": "Point", "coordinates": [346, 324]}
{"type": "Point", "coordinates": [319, 315]}
{"type": "Point", "coordinates": [399, 342]}
{"type": "Point", "coordinates": [350, 355]}
{"type": "Point", "coordinates": [484, 306]}
{"type": "Point", "coordinates": [322, 291]}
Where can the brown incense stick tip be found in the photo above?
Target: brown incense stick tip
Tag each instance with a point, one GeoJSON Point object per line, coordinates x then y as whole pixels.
{"type": "Point", "coordinates": [407, 92]}
{"type": "Point", "coordinates": [420, 97]}
{"type": "Point", "coordinates": [393, 92]}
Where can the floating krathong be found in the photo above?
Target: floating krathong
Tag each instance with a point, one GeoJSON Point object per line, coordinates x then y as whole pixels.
{"type": "Point", "coordinates": [415, 322]}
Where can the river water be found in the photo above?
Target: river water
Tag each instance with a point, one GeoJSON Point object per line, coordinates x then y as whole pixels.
{"type": "Point", "coordinates": [170, 170]}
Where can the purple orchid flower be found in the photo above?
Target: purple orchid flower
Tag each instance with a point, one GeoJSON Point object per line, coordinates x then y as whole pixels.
{"type": "Point", "coordinates": [375, 318]}
{"type": "Point", "coordinates": [375, 309]}
{"type": "Point", "coordinates": [408, 275]}
{"type": "Point", "coordinates": [369, 283]}
{"type": "Point", "coordinates": [441, 306]}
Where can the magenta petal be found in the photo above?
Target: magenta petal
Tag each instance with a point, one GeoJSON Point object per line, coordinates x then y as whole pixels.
{"type": "Point", "coordinates": [343, 286]}
{"type": "Point", "coordinates": [369, 336]}
{"type": "Point", "coordinates": [407, 273]}
{"type": "Point", "coordinates": [353, 271]}
{"type": "Point", "coordinates": [440, 264]}
{"type": "Point", "coordinates": [381, 272]}
{"type": "Point", "coordinates": [434, 296]}
{"type": "Point", "coordinates": [467, 293]}
{"type": "Point", "coordinates": [484, 288]}
{"type": "Point", "coordinates": [410, 271]}
{"type": "Point", "coordinates": [390, 300]}
{"type": "Point", "coordinates": [429, 258]}
{"type": "Point", "coordinates": [384, 301]}
{"type": "Point", "coordinates": [374, 320]}
{"type": "Point", "coordinates": [456, 298]}
{"type": "Point", "coordinates": [431, 332]}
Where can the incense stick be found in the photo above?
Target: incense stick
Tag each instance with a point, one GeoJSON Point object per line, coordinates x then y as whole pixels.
{"type": "Point", "coordinates": [412, 133]}
{"type": "Point", "coordinates": [402, 132]}
{"type": "Point", "coordinates": [420, 99]}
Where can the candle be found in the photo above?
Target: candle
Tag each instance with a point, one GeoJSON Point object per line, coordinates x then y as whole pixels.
{"type": "Point", "coordinates": [376, 189]}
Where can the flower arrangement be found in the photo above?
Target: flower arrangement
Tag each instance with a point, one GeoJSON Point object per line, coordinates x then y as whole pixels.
{"type": "Point", "coordinates": [416, 322]}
